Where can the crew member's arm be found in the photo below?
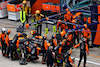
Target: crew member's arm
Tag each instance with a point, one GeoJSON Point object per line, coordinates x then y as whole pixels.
{"type": "Point", "coordinates": [38, 49]}
{"type": "Point", "coordinates": [87, 48]}
{"type": "Point", "coordinates": [29, 9]}
{"type": "Point", "coordinates": [89, 33]}
{"type": "Point", "coordinates": [0, 37]}
{"type": "Point", "coordinates": [60, 50]}
{"type": "Point", "coordinates": [89, 20]}
{"type": "Point", "coordinates": [57, 27]}
{"type": "Point", "coordinates": [55, 42]}
{"type": "Point", "coordinates": [71, 15]}
{"type": "Point", "coordinates": [7, 40]}
{"type": "Point", "coordinates": [83, 32]}
{"type": "Point", "coordinates": [67, 36]}
{"type": "Point", "coordinates": [41, 15]}
{"type": "Point", "coordinates": [45, 45]}
{"type": "Point", "coordinates": [76, 45]}
{"type": "Point", "coordinates": [70, 59]}
{"type": "Point", "coordinates": [66, 26]}
{"type": "Point", "coordinates": [29, 49]}
{"type": "Point", "coordinates": [65, 17]}
{"type": "Point", "coordinates": [17, 44]}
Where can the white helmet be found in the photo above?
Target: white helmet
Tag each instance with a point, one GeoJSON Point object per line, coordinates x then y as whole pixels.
{"type": "Point", "coordinates": [3, 30]}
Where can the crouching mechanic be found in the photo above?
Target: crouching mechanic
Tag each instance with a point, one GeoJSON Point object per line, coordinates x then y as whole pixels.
{"type": "Point", "coordinates": [68, 59]}
{"type": "Point", "coordinates": [58, 54]}
{"type": "Point", "coordinates": [15, 47]}
{"type": "Point", "coordinates": [28, 50]}
{"type": "Point", "coordinates": [7, 43]}
{"type": "Point", "coordinates": [25, 53]}
{"type": "Point", "coordinates": [83, 49]}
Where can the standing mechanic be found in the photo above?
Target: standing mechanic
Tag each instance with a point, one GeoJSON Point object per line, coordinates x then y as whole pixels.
{"type": "Point", "coordinates": [83, 49]}
{"type": "Point", "coordinates": [38, 16]}
{"type": "Point", "coordinates": [68, 16]}
{"type": "Point", "coordinates": [75, 33]}
{"type": "Point", "coordinates": [62, 26]}
{"type": "Point", "coordinates": [50, 56]}
{"type": "Point", "coordinates": [2, 39]}
{"type": "Point", "coordinates": [25, 8]}
{"type": "Point", "coordinates": [44, 48]}
{"type": "Point", "coordinates": [68, 59]}
{"type": "Point", "coordinates": [86, 33]}
{"type": "Point", "coordinates": [7, 43]}
{"type": "Point", "coordinates": [69, 41]}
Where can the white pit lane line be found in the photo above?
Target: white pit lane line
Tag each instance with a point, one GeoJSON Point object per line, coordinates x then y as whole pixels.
{"type": "Point", "coordinates": [88, 61]}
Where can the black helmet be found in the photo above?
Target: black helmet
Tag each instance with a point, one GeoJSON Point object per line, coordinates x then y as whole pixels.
{"type": "Point", "coordinates": [53, 36]}
{"type": "Point", "coordinates": [84, 39]}
{"type": "Point", "coordinates": [69, 52]}
{"type": "Point", "coordinates": [44, 38]}
{"type": "Point", "coordinates": [26, 43]}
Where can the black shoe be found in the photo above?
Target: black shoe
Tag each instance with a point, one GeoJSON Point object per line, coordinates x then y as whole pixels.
{"type": "Point", "coordinates": [34, 61]}
{"type": "Point", "coordinates": [12, 59]}
{"type": "Point", "coordinates": [7, 57]}
{"type": "Point", "coordinates": [3, 54]}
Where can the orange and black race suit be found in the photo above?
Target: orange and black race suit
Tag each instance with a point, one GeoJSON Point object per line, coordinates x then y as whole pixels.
{"type": "Point", "coordinates": [69, 41]}
{"type": "Point", "coordinates": [28, 51]}
{"type": "Point", "coordinates": [76, 36]}
{"type": "Point", "coordinates": [86, 33]}
{"type": "Point", "coordinates": [70, 38]}
{"type": "Point", "coordinates": [44, 49]}
{"type": "Point", "coordinates": [69, 61]}
{"type": "Point", "coordinates": [35, 53]}
{"type": "Point", "coordinates": [49, 57]}
{"type": "Point", "coordinates": [2, 38]}
{"type": "Point", "coordinates": [38, 49]}
{"type": "Point", "coordinates": [83, 49]}
{"type": "Point", "coordinates": [68, 17]}
{"type": "Point", "coordinates": [54, 43]}
{"type": "Point", "coordinates": [89, 20]}
{"type": "Point", "coordinates": [7, 45]}
{"type": "Point", "coordinates": [63, 26]}
{"type": "Point", "coordinates": [61, 48]}
{"type": "Point", "coordinates": [14, 47]}
{"type": "Point", "coordinates": [85, 20]}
